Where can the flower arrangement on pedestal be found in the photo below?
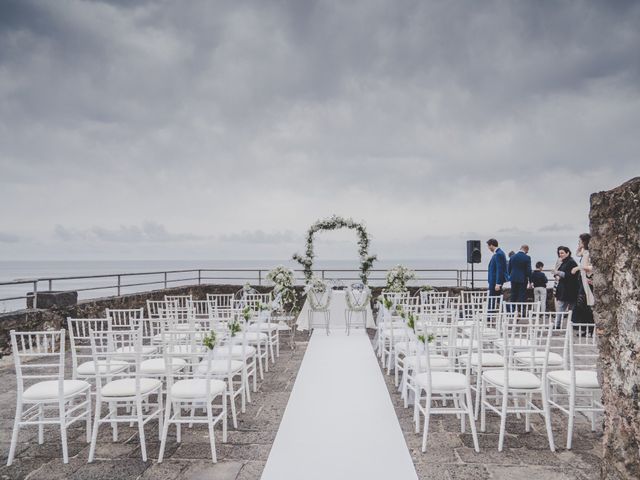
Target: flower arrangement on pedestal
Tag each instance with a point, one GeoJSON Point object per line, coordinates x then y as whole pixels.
{"type": "Point", "coordinates": [397, 279]}
{"type": "Point", "coordinates": [333, 223]}
{"type": "Point", "coordinates": [283, 280]}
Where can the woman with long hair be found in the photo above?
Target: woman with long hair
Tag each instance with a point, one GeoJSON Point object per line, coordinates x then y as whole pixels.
{"type": "Point", "coordinates": [582, 312]}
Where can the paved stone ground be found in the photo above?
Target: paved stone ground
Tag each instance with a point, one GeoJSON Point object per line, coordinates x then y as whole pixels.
{"type": "Point", "coordinates": [242, 458]}
{"type": "Point", "coordinates": [450, 454]}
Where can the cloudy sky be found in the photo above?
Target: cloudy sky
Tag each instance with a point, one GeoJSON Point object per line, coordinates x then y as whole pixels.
{"type": "Point", "coordinates": [223, 129]}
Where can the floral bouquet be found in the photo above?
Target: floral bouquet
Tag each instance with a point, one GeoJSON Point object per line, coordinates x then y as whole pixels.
{"type": "Point", "coordinates": [398, 277]}
{"type": "Point", "coordinates": [283, 280]}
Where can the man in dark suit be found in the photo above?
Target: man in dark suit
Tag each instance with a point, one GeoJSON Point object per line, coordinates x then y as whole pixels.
{"type": "Point", "coordinates": [519, 270]}
{"type": "Point", "coordinates": [497, 268]}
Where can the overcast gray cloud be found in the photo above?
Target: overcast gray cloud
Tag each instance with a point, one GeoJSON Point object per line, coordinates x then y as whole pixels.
{"type": "Point", "coordinates": [222, 123]}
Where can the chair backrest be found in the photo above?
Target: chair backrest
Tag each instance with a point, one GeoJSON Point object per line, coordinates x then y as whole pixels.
{"type": "Point", "coordinates": [124, 318]}
{"type": "Point", "coordinates": [180, 301]}
{"type": "Point", "coordinates": [80, 335]}
{"type": "Point", "coordinates": [528, 336]}
{"type": "Point", "coordinates": [159, 308]}
{"type": "Point", "coordinates": [433, 296]}
{"type": "Point", "coordinates": [520, 309]}
{"type": "Point", "coordinates": [583, 347]}
{"type": "Point", "coordinates": [395, 297]}
{"type": "Point", "coordinates": [221, 300]}
{"type": "Point", "coordinates": [357, 298]}
{"type": "Point", "coordinates": [558, 342]}
{"type": "Point", "coordinates": [109, 346]}
{"type": "Point", "coordinates": [319, 300]}
{"type": "Point", "coordinates": [473, 296]}
{"type": "Point", "coordinates": [38, 356]}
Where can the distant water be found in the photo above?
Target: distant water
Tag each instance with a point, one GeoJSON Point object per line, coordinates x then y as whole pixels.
{"type": "Point", "coordinates": [19, 270]}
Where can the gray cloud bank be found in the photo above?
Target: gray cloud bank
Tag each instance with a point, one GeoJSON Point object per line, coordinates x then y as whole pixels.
{"type": "Point", "coordinates": [243, 122]}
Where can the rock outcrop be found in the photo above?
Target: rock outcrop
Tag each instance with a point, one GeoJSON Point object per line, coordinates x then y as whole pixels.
{"type": "Point", "coordinates": [615, 251]}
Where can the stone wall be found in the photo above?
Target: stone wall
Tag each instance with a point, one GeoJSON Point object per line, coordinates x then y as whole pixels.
{"type": "Point", "coordinates": [55, 318]}
{"type": "Point", "coordinates": [615, 250]}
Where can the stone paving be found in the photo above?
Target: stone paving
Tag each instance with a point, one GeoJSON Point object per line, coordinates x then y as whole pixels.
{"type": "Point", "coordinates": [450, 454]}
{"type": "Point", "coordinates": [242, 458]}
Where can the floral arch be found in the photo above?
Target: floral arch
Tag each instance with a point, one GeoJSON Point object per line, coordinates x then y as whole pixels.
{"type": "Point", "coordinates": [333, 223]}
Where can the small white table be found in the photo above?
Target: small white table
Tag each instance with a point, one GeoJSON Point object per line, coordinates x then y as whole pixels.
{"type": "Point", "coordinates": [337, 308]}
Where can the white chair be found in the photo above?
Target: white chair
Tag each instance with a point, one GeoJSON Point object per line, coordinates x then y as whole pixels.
{"type": "Point", "coordinates": [357, 300]}
{"type": "Point", "coordinates": [41, 387]}
{"type": "Point", "coordinates": [129, 392]}
{"type": "Point", "coordinates": [517, 380]}
{"type": "Point", "coordinates": [474, 296]}
{"type": "Point", "coordinates": [319, 303]}
{"type": "Point", "coordinates": [124, 318]}
{"type": "Point", "coordinates": [192, 389]}
{"type": "Point", "coordinates": [82, 363]}
{"type": "Point", "coordinates": [579, 382]}
{"type": "Point", "coordinates": [439, 383]}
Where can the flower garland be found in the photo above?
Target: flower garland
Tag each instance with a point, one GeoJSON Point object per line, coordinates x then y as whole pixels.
{"type": "Point", "coordinates": [398, 277]}
{"type": "Point", "coordinates": [333, 223]}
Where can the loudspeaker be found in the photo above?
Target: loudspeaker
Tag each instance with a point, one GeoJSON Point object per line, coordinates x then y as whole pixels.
{"type": "Point", "coordinates": [473, 251]}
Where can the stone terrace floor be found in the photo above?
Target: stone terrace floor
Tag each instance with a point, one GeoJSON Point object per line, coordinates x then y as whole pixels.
{"type": "Point", "coordinates": [450, 454]}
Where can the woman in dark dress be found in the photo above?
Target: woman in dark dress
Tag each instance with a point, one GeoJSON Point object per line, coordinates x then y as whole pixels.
{"type": "Point", "coordinates": [582, 312]}
{"type": "Point", "coordinates": [568, 282]}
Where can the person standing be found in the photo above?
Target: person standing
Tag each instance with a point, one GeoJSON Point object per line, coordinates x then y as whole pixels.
{"type": "Point", "coordinates": [497, 268]}
{"type": "Point", "coordinates": [519, 271]}
{"type": "Point", "coordinates": [582, 312]}
{"type": "Point", "coordinates": [539, 282]}
{"type": "Point", "coordinates": [567, 289]}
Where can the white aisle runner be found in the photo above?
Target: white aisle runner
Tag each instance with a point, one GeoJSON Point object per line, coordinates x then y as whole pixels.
{"type": "Point", "coordinates": [339, 422]}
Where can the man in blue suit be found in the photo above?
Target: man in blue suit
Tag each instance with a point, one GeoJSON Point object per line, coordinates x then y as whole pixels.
{"type": "Point", "coordinates": [519, 270]}
{"type": "Point", "coordinates": [497, 268]}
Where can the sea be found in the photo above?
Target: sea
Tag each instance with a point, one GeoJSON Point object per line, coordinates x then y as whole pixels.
{"type": "Point", "coordinates": [151, 274]}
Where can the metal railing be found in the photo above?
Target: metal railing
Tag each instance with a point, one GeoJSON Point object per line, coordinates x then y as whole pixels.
{"type": "Point", "coordinates": [132, 282]}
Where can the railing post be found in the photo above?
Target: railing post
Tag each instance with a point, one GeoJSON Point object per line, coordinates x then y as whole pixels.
{"type": "Point", "coordinates": [259, 277]}
{"type": "Point", "coordinates": [50, 284]}
{"type": "Point", "coordinates": [199, 276]}
{"type": "Point", "coordinates": [35, 294]}
{"type": "Point", "coordinates": [165, 280]}
{"type": "Point", "coordinates": [118, 285]}
{"type": "Point", "coordinates": [323, 274]}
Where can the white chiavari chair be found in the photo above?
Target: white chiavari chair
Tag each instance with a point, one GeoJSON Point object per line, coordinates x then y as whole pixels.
{"type": "Point", "coordinates": [193, 388]}
{"type": "Point", "coordinates": [319, 303]}
{"type": "Point", "coordinates": [357, 300]}
{"type": "Point", "coordinates": [518, 380]}
{"type": "Point", "coordinates": [42, 388]}
{"type": "Point", "coordinates": [82, 361]}
{"type": "Point", "coordinates": [575, 389]}
{"type": "Point", "coordinates": [438, 383]}
{"type": "Point", "coordinates": [124, 318]}
{"type": "Point", "coordinates": [130, 392]}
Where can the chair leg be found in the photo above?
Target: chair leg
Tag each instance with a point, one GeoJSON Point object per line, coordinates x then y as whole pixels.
{"type": "Point", "coordinates": [593, 413]}
{"type": "Point", "coordinates": [63, 433]}
{"type": "Point", "coordinates": [427, 414]}
{"type": "Point", "coordinates": [224, 418]}
{"type": "Point", "coordinates": [527, 415]}
{"type": "Point", "coordinates": [232, 399]}
{"type": "Point", "coordinates": [88, 417]}
{"type": "Point", "coordinates": [178, 409]}
{"type": "Point", "coordinates": [165, 429]}
{"type": "Point", "coordinates": [463, 405]}
{"type": "Point", "coordinates": [40, 426]}
{"type": "Point", "coordinates": [472, 421]}
{"type": "Point", "coordinates": [143, 443]}
{"type": "Point", "coordinates": [547, 415]}
{"type": "Point", "coordinates": [160, 411]}
{"type": "Point", "coordinates": [483, 410]}
{"type": "Point", "coordinates": [503, 418]}
{"type": "Point", "coordinates": [478, 383]}
{"type": "Point", "coordinates": [572, 415]}
{"type": "Point", "coordinates": [416, 410]}
{"type": "Point", "coordinates": [14, 434]}
{"type": "Point", "coordinates": [113, 412]}
{"type": "Point", "coordinates": [94, 432]}
{"type": "Point", "coordinates": [212, 438]}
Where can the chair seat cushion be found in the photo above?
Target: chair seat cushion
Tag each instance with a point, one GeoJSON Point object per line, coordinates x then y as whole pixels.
{"type": "Point", "coordinates": [128, 352]}
{"type": "Point", "coordinates": [256, 336]}
{"type": "Point", "coordinates": [113, 366]}
{"type": "Point", "coordinates": [126, 387]}
{"type": "Point", "coordinates": [517, 379]}
{"type": "Point", "coordinates": [537, 358]}
{"type": "Point", "coordinates": [489, 359]}
{"type": "Point", "coordinates": [515, 343]}
{"type": "Point", "coordinates": [436, 361]}
{"type": "Point", "coordinates": [196, 388]}
{"type": "Point", "coordinates": [221, 366]}
{"type": "Point", "coordinates": [157, 366]}
{"type": "Point", "coordinates": [48, 390]}
{"type": "Point", "coordinates": [236, 352]}
{"type": "Point", "coordinates": [584, 378]}
{"type": "Point", "coordinates": [442, 381]}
